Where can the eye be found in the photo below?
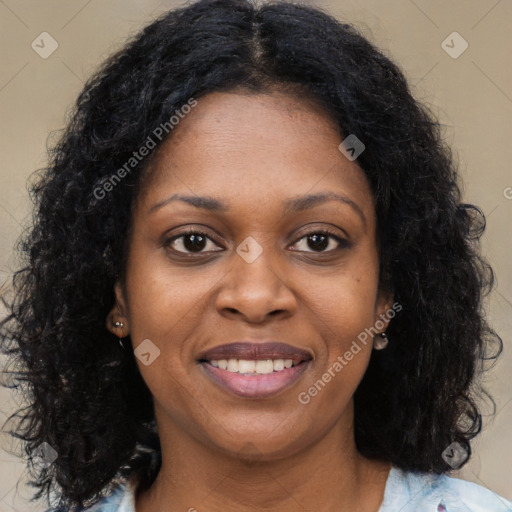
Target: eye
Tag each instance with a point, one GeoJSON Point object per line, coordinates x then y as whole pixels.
{"type": "Point", "coordinates": [319, 241]}
{"type": "Point", "coordinates": [197, 242]}
{"type": "Point", "coordinates": [191, 242]}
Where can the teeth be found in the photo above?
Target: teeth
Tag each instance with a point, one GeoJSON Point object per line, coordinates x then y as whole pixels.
{"type": "Point", "coordinates": [266, 366]}
{"type": "Point", "coordinates": [245, 366]}
{"type": "Point", "coordinates": [279, 365]}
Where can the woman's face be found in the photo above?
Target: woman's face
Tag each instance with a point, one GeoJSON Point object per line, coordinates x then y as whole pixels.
{"type": "Point", "coordinates": [244, 263]}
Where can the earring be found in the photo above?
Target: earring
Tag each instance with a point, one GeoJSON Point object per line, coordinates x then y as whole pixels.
{"type": "Point", "coordinates": [120, 325]}
{"type": "Point", "coordinates": [382, 343]}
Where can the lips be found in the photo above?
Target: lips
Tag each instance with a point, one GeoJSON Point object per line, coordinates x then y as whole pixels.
{"type": "Point", "coordinates": [256, 351]}
{"type": "Point", "coordinates": [255, 370]}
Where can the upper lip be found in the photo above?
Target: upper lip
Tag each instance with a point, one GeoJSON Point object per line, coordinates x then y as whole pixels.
{"type": "Point", "coordinates": [256, 351]}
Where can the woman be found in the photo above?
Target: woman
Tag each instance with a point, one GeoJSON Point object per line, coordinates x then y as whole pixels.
{"type": "Point", "coordinates": [251, 202]}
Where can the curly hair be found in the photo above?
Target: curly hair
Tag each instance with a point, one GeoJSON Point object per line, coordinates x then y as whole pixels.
{"type": "Point", "coordinates": [87, 398]}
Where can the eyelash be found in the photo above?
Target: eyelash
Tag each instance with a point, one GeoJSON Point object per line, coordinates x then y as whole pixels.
{"type": "Point", "coordinates": [342, 243]}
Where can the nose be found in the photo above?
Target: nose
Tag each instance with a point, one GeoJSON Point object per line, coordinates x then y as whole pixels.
{"type": "Point", "coordinates": [255, 291]}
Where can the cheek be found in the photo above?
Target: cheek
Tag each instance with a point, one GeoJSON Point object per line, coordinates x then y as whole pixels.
{"type": "Point", "coordinates": [164, 307]}
{"type": "Point", "coordinates": [343, 357]}
{"type": "Point", "coordinates": [346, 302]}
{"type": "Point", "coordinates": [161, 297]}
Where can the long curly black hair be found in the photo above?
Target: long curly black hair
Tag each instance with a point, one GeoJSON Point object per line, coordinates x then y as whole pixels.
{"type": "Point", "coordinates": [87, 398]}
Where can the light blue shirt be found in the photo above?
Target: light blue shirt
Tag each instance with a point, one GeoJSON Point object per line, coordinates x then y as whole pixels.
{"type": "Point", "coordinates": [404, 492]}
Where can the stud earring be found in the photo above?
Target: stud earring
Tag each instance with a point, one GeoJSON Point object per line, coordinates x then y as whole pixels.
{"type": "Point", "coordinates": [381, 342]}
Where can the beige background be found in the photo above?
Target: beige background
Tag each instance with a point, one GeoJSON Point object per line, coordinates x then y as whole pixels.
{"type": "Point", "coordinates": [471, 94]}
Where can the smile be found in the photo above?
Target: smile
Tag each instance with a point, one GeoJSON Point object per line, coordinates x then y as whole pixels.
{"type": "Point", "coordinates": [261, 370]}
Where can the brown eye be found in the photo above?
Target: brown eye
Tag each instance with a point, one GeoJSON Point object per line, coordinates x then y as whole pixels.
{"type": "Point", "coordinates": [319, 241]}
{"type": "Point", "coordinates": [191, 242]}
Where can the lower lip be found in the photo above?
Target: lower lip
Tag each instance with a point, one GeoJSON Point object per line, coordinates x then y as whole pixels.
{"type": "Point", "coordinates": [255, 386]}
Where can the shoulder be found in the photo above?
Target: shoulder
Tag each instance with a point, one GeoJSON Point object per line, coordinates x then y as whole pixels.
{"type": "Point", "coordinates": [121, 500]}
{"type": "Point", "coordinates": [423, 492]}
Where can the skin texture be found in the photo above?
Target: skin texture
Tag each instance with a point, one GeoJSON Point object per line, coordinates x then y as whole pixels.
{"type": "Point", "coordinates": [220, 451]}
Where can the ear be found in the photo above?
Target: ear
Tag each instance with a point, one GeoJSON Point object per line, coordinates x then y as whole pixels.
{"type": "Point", "coordinates": [117, 319]}
{"type": "Point", "coordinates": [384, 310]}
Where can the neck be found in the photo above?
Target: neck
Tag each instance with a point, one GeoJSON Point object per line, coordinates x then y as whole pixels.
{"type": "Point", "coordinates": [330, 475]}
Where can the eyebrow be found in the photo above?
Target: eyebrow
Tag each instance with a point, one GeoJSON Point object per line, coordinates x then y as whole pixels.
{"type": "Point", "coordinates": [293, 205]}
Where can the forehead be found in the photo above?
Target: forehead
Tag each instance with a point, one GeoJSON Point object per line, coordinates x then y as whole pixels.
{"type": "Point", "coordinates": [255, 148]}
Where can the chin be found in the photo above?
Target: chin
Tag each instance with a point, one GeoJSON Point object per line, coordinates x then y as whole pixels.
{"type": "Point", "coordinates": [260, 446]}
